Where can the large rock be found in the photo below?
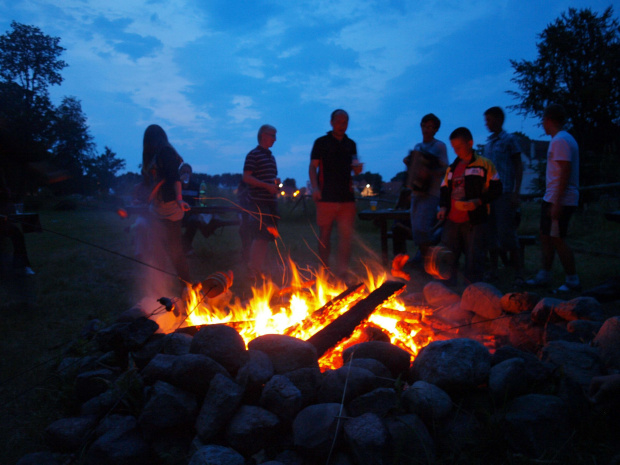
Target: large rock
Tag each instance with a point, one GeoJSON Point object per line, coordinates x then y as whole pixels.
{"type": "Point", "coordinates": [508, 379]}
{"type": "Point", "coordinates": [345, 384]}
{"type": "Point", "coordinates": [69, 434]}
{"type": "Point", "coordinates": [428, 401]}
{"type": "Point", "coordinates": [524, 333]}
{"type": "Point", "coordinates": [194, 372]}
{"type": "Point", "coordinates": [308, 381]}
{"type": "Point", "coordinates": [380, 401]}
{"type": "Point", "coordinates": [580, 308]}
{"type": "Point", "coordinates": [544, 310]}
{"type": "Point", "coordinates": [536, 423]}
{"type": "Point", "coordinates": [453, 364]}
{"type": "Point", "coordinates": [409, 441]}
{"type": "Point", "coordinates": [120, 442]}
{"type": "Point", "coordinates": [221, 402]}
{"type": "Point", "coordinates": [578, 362]}
{"type": "Point", "coordinates": [286, 353]}
{"type": "Point", "coordinates": [167, 408]}
{"type": "Point", "coordinates": [367, 438]}
{"type": "Point", "coordinates": [518, 302]}
{"type": "Point", "coordinates": [216, 455]}
{"type": "Point", "coordinates": [608, 342]}
{"type": "Point", "coordinates": [281, 396]}
{"type": "Point", "coordinates": [315, 428]}
{"type": "Point", "coordinates": [483, 299]}
{"type": "Point", "coordinates": [437, 294]}
{"type": "Point", "coordinates": [252, 429]}
{"type": "Point", "coordinates": [222, 344]}
{"type": "Point", "coordinates": [397, 360]}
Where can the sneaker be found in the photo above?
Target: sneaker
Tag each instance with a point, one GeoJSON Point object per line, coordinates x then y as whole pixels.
{"type": "Point", "coordinates": [539, 280]}
{"type": "Point", "coordinates": [25, 271]}
{"type": "Point", "coordinates": [567, 287]}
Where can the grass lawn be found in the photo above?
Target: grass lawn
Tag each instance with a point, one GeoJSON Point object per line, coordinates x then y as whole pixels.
{"type": "Point", "coordinates": [84, 271]}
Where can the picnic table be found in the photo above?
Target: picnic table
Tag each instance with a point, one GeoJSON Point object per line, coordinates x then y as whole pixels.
{"type": "Point", "coordinates": [382, 217]}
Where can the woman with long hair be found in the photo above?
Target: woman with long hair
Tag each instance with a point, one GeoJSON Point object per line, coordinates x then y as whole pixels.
{"type": "Point", "coordinates": [160, 172]}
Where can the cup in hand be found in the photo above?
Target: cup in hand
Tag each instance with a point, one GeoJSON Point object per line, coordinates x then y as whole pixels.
{"type": "Point", "coordinates": [373, 205]}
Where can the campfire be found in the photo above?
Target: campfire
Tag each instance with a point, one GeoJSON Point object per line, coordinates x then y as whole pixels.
{"type": "Point", "coordinates": [317, 309]}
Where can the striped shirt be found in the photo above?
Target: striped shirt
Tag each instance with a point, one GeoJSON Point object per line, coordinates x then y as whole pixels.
{"type": "Point", "coordinates": [262, 165]}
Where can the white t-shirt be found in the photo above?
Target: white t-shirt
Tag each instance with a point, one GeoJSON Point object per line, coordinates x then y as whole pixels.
{"type": "Point", "coordinates": [563, 147]}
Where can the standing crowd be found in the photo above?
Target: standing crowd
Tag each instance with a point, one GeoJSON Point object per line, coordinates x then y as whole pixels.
{"type": "Point", "coordinates": [469, 207]}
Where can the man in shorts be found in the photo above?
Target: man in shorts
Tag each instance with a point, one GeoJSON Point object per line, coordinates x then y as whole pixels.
{"type": "Point", "coordinates": [560, 200]}
{"type": "Point", "coordinates": [333, 158]}
{"type": "Point", "coordinates": [260, 173]}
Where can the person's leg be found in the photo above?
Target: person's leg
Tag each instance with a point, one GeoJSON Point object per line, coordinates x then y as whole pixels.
{"type": "Point", "coordinates": [506, 225]}
{"type": "Point", "coordinates": [475, 251]}
{"type": "Point", "coordinates": [174, 247]}
{"type": "Point", "coordinates": [325, 220]}
{"type": "Point", "coordinates": [565, 254]}
{"type": "Point", "coordinates": [424, 220]}
{"type": "Point", "coordinates": [191, 223]}
{"type": "Point", "coordinates": [258, 252]}
{"type": "Point", "coordinates": [547, 250]}
{"type": "Point", "coordinates": [346, 223]}
{"type": "Point", "coordinates": [450, 240]}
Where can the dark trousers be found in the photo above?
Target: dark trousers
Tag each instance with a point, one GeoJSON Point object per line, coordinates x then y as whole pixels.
{"type": "Point", "coordinates": [468, 239]}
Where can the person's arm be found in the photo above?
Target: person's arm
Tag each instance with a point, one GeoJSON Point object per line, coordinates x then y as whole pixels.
{"type": "Point", "coordinates": [178, 188]}
{"type": "Point", "coordinates": [249, 179]}
{"type": "Point", "coordinates": [314, 180]}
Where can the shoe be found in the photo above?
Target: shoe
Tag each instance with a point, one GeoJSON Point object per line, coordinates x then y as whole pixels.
{"type": "Point", "coordinates": [566, 287]}
{"type": "Point", "coordinates": [25, 271]}
{"type": "Point", "coordinates": [539, 280]}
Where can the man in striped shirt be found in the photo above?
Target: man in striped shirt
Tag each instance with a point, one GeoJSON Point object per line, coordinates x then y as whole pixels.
{"type": "Point", "coordinates": [260, 173]}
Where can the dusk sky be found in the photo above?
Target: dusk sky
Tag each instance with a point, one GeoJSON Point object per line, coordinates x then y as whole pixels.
{"type": "Point", "coordinates": [211, 72]}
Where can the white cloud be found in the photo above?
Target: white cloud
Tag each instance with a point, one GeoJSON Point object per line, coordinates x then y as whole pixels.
{"type": "Point", "coordinates": [242, 110]}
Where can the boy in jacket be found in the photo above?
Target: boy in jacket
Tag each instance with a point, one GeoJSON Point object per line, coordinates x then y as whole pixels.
{"type": "Point", "coordinates": [470, 184]}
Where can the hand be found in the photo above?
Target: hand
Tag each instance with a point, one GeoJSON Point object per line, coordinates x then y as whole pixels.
{"type": "Point", "coordinates": [316, 195]}
{"type": "Point", "coordinates": [357, 167]}
{"type": "Point", "coordinates": [184, 205]}
{"type": "Point", "coordinates": [273, 188]}
{"type": "Point", "coordinates": [441, 214]}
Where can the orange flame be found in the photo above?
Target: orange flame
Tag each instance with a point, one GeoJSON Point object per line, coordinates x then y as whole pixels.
{"type": "Point", "coordinates": [306, 306]}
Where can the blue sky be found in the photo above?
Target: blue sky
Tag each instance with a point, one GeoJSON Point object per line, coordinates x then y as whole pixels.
{"type": "Point", "coordinates": [211, 72]}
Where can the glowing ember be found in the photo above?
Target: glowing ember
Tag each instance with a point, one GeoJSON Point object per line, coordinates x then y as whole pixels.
{"type": "Point", "coordinates": [304, 308]}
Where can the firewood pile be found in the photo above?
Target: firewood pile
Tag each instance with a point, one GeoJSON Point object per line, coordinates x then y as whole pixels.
{"type": "Point", "coordinates": [199, 396]}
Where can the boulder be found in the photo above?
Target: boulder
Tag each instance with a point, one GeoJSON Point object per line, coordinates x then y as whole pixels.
{"type": "Point", "coordinates": [222, 344]}
{"type": "Point", "coordinates": [315, 428]}
{"type": "Point", "coordinates": [285, 352]}
{"type": "Point", "coordinates": [580, 308]}
{"type": "Point", "coordinates": [429, 402]}
{"type": "Point", "coordinates": [536, 423]}
{"type": "Point", "coordinates": [220, 403]}
{"type": "Point", "coordinates": [345, 384]}
{"type": "Point", "coordinates": [252, 429]}
{"type": "Point", "coordinates": [70, 434]}
{"type": "Point", "coordinates": [518, 302]}
{"type": "Point", "coordinates": [281, 396]}
{"type": "Point", "coordinates": [438, 294]}
{"type": "Point", "coordinates": [216, 455]}
{"type": "Point", "coordinates": [367, 439]}
{"type": "Point", "coordinates": [167, 408]}
{"type": "Point", "coordinates": [452, 364]}
{"type": "Point", "coordinates": [608, 342]}
{"type": "Point", "coordinates": [483, 299]}
{"type": "Point", "coordinates": [397, 360]}
{"type": "Point", "coordinates": [380, 401]}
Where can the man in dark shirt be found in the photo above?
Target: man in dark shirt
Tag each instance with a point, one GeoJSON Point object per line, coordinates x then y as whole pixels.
{"type": "Point", "coordinates": [260, 173]}
{"type": "Point", "coordinates": [333, 158]}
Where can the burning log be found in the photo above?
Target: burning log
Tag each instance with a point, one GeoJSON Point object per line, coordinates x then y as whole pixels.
{"type": "Point", "coordinates": [343, 326]}
{"type": "Point", "coordinates": [408, 317]}
{"type": "Point", "coordinates": [351, 293]}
